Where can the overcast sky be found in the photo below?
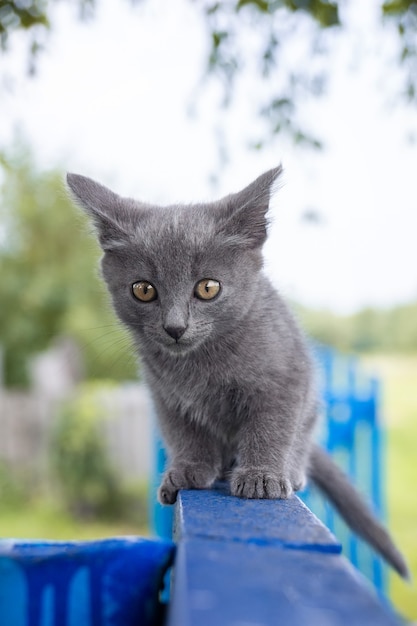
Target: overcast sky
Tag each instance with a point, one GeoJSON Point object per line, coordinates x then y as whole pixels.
{"type": "Point", "coordinates": [117, 108]}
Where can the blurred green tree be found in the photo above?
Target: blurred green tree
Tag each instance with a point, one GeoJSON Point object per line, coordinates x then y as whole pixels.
{"type": "Point", "coordinates": [272, 26]}
{"type": "Point", "coordinates": [368, 330]}
{"type": "Point", "coordinates": [404, 14]}
{"type": "Point", "coordinates": [33, 18]}
{"type": "Point", "coordinates": [87, 481]}
{"type": "Point", "coordinates": [49, 281]}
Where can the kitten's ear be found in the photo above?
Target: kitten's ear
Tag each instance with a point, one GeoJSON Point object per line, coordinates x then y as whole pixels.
{"type": "Point", "coordinates": [244, 213]}
{"type": "Point", "coordinates": [108, 211]}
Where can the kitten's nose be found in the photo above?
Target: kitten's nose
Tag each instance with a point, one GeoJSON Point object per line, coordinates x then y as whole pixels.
{"type": "Point", "coordinates": [176, 332]}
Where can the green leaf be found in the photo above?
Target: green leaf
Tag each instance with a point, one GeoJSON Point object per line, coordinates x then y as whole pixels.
{"type": "Point", "coordinates": [218, 37]}
{"type": "Point", "coordinates": [211, 10]}
{"type": "Point", "coordinates": [395, 7]}
{"type": "Point", "coordinates": [325, 13]}
{"type": "Point", "coordinates": [262, 5]}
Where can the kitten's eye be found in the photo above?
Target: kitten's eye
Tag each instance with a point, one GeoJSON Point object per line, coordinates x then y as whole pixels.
{"type": "Point", "coordinates": [144, 291]}
{"type": "Point", "coordinates": [207, 289]}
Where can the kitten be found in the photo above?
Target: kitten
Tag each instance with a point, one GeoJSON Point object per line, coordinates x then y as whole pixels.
{"type": "Point", "coordinates": [227, 365]}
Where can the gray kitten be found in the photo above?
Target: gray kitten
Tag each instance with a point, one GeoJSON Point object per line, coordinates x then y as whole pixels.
{"type": "Point", "coordinates": [227, 365]}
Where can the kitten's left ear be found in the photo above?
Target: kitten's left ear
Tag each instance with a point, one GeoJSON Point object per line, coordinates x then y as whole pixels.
{"type": "Point", "coordinates": [109, 212]}
{"type": "Point", "coordinates": [244, 213]}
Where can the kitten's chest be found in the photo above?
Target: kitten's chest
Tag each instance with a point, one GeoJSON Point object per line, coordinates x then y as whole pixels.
{"type": "Point", "coordinates": [191, 391]}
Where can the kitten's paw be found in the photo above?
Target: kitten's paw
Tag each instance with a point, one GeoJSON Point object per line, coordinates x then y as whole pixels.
{"type": "Point", "coordinates": [185, 476]}
{"type": "Point", "coordinates": [259, 483]}
{"type": "Point", "coordinates": [167, 492]}
{"type": "Point", "coordinates": [299, 481]}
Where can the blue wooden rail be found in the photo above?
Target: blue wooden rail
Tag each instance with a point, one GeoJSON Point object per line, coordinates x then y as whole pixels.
{"type": "Point", "coordinates": [112, 582]}
{"type": "Point", "coordinates": [252, 563]}
{"type": "Point", "coordinates": [238, 563]}
{"type": "Point", "coordinates": [352, 431]}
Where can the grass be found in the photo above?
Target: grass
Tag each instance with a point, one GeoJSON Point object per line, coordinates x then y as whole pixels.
{"type": "Point", "coordinates": [46, 519]}
{"type": "Point", "coordinates": [399, 375]}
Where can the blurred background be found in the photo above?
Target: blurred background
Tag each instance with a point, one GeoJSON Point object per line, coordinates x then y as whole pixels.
{"type": "Point", "coordinates": [188, 101]}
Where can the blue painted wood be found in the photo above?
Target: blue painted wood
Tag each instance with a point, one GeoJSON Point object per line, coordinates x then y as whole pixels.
{"type": "Point", "coordinates": [161, 517]}
{"type": "Point", "coordinates": [113, 582]}
{"type": "Point", "coordinates": [352, 432]}
{"type": "Point", "coordinates": [214, 514]}
{"type": "Point", "coordinates": [248, 573]}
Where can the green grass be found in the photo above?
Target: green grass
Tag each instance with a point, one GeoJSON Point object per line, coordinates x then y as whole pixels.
{"type": "Point", "coordinates": [43, 519]}
{"type": "Point", "coordinates": [399, 375]}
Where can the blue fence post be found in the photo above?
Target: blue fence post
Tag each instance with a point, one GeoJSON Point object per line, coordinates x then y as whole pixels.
{"type": "Point", "coordinates": [352, 433]}
{"type": "Point", "coordinates": [378, 477]}
{"type": "Point", "coordinates": [161, 517]}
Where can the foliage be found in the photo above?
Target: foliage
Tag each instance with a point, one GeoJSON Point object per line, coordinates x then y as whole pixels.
{"type": "Point", "coordinates": [13, 491]}
{"type": "Point", "coordinates": [49, 282]}
{"type": "Point", "coordinates": [42, 517]}
{"type": "Point", "coordinates": [16, 15]}
{"type": "Point", "coordinates": [85, 476]}
{"type": "Point", "coordinates": [404, 12]}
{"type": "Point", "coordinates": [368, 330]}
{"type": "Point", "coordinates": [272, 26]}
{"type": "Point", "coordinates": [33, 18]}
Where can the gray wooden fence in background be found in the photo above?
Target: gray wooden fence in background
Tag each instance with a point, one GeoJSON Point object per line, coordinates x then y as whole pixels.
{"type": "Point", "coordinates": [27, 419]}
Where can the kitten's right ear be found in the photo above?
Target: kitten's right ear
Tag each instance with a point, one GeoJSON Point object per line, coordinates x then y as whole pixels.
{"type": "Point", "coordinates": [244, 214]}
{"type": "Point", "coordinates": [107, 210]}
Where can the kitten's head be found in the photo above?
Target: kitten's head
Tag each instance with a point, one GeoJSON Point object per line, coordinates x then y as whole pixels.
{"type": "Point", "coordinates": [180, 275]}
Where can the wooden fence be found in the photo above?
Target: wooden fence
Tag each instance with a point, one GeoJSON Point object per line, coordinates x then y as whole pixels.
{"type": "Point", "coordinates": [24, 432]}
{"type": "Point", "coordinates": [27, 420]}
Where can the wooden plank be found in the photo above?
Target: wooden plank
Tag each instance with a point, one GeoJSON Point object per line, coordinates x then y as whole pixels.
{"type": "Point", "coordinates": [214, 514]}
{"type": "Point", "coordinates": [263, 563]}
{"type": "Point", "coordinates": [109, 582]}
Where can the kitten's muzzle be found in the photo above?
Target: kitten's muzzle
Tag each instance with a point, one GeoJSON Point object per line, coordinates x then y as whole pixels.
{"type": "Point", "coordinates": [176, 332]}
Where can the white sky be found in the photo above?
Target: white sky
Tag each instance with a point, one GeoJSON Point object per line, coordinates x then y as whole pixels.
{"type": "Point", "coordinates": [116, 107]}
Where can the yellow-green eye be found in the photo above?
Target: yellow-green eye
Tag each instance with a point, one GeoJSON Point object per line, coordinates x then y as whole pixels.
{"type": "Point", "coordinates": [144, 291]}
{"type": "Point", "coordinates": [207, 289]}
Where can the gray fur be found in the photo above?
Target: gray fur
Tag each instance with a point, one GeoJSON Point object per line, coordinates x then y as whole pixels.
{"type": "Point", "coordinates": [333, 482]}
{"type": "Point", "coordinates": [235, 393]}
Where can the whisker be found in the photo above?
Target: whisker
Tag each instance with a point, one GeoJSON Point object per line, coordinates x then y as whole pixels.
{"type": "Point", "coordinates": [131, 360]}
{"type": "Point", "coordinates": [122, 342]}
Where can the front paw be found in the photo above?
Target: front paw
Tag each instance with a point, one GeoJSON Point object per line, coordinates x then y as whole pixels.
{"type": "Point", "coordinates": [299, 481]}
{"type": "Point", "coordinates": [259, 483]}
{"type": "Point", "coordinates": [185, 476]}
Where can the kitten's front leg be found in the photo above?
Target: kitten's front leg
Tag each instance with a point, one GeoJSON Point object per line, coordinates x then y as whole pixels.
{"type": "Point", "coordinates": [190, 474]}
{"type": "Point", "coordinates": [264, 457]}
{"type": "Point", "coordinates": [195, 461]}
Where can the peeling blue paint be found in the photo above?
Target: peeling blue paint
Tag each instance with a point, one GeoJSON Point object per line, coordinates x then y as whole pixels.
{"type": "Point", "coordinates": [113, 582]}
